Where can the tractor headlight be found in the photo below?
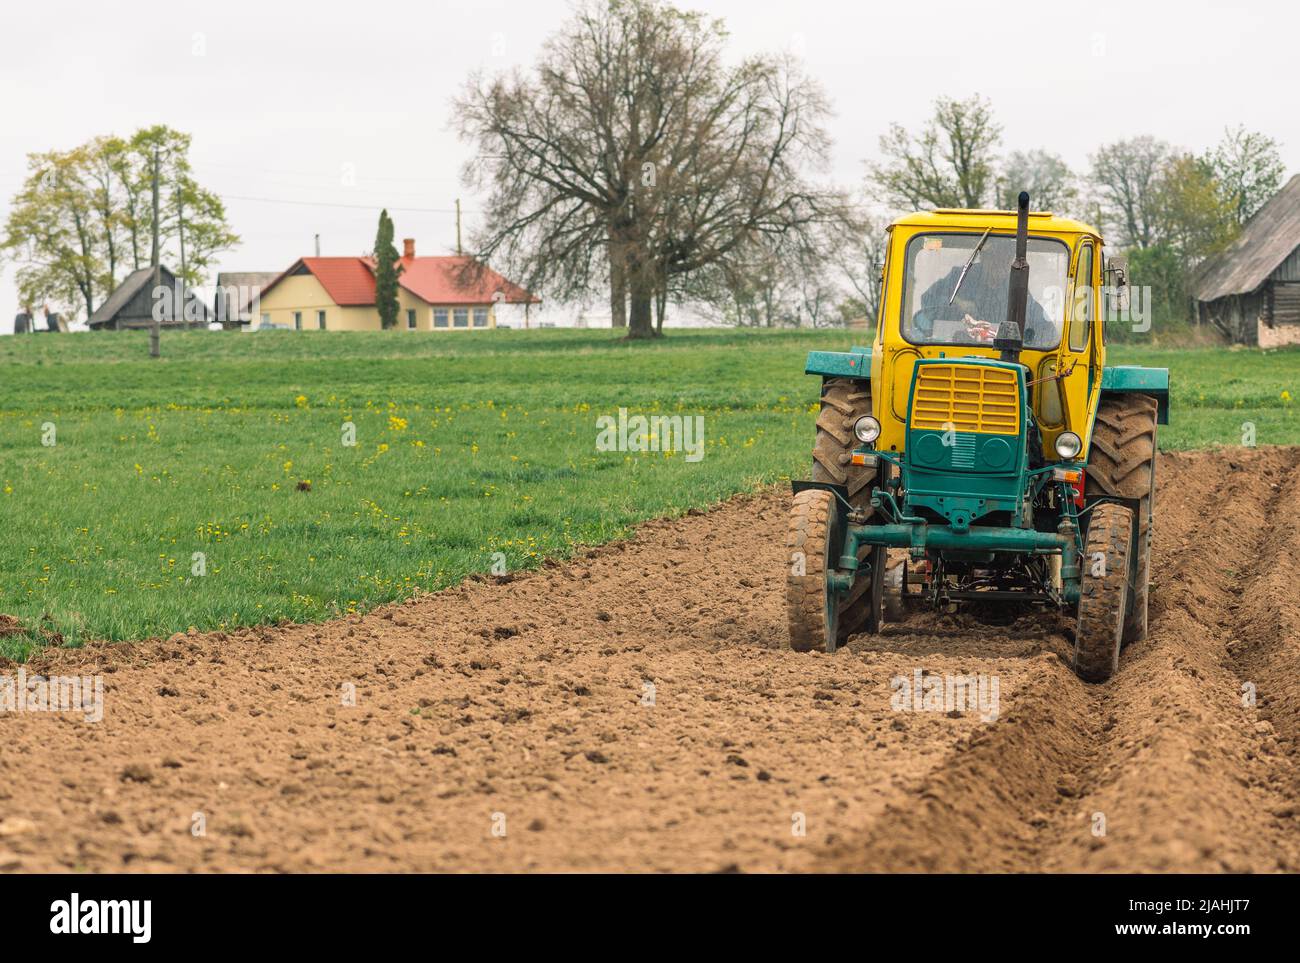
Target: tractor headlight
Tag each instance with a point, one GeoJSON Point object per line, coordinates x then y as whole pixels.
{"type": "Point", "coordinates": [1068, 445]}
{"type": "Point", "coordinates": [866, 429]}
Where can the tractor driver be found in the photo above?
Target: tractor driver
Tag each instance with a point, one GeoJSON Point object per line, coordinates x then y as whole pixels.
{"type": "Point", "coordinates": [980, 304]}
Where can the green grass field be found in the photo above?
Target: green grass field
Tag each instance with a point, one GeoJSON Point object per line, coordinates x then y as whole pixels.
{"type": "Point", "coordinates": [465, 447]}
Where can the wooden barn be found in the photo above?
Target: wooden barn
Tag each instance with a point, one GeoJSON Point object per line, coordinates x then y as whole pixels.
{"type": "Point", "coordinates": [131, 304]}
{"type": "Point", "coordinates": [1250, 291]}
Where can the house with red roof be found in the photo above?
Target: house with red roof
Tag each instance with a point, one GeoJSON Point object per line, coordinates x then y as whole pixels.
{"type": "Point", "coordinates": [453, 293]}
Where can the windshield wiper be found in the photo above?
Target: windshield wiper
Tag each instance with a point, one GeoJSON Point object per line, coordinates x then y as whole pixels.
{"type": "Point", "coordinates": [969, 261]}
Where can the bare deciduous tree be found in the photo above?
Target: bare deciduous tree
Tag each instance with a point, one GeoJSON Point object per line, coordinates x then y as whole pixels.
{"type": "Point", "coordinates": [1047, 178]}
{"type": "Point", "coordinates": [948, 164]}
{"type": "Point", "coordinates": [860, 257]}
{"type": "Point", "coordinates": [1126, 174]}
{"type": "Point", "coordinates": [633, 153]}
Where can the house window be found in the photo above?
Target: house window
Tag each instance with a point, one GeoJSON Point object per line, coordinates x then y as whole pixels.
{"type": "Point", "coordinates": [320, 320]}
{"type": "Point", "coordinates": [297, 320]}
{"type": "Point", "coordinates": [410, 319]}
{"type": "Point", "coordinates": [439, 317]}
{"type": "Point", "coordinates": [480, 317]}
{"type": "Point", "coordinates": [460, 317]}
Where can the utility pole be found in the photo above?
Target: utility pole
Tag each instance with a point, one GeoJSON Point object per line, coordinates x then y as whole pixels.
{"type": "Point", "coordinates": [458, 227]}
{"type": "Point", "coordinates": [180, 228]}
{"type": "Point", "coordinates": [155, 329]}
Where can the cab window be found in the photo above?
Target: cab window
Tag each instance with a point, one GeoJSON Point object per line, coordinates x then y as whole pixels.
{"type": "Point", "coordinates": [1084, 301]}
{"type": "Point", "coordinates": [955, 289]}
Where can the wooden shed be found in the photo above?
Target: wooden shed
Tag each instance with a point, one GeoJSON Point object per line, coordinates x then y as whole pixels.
{"type": "Point", "coordinates": [132, 302]}
{"type": "Point", "coordinates": [1250, 291]}
{"type": "Point", "coordinates": [237, 292]}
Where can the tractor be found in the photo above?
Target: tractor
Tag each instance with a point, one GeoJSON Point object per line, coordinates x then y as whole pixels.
{"type": "Point", "coordinates": [984, 439]}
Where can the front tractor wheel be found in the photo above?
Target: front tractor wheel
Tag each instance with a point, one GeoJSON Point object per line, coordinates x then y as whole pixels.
{"type": "Point", "coordinates": [813, 545]}
{"type": "Point", "coordinates": [1103, 595]}
{"type": "Point", "coordinates": [843, 402]}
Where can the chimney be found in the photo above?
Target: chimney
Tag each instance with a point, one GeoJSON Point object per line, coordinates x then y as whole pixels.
{"type": "Point", "coordinates": [408, 247]}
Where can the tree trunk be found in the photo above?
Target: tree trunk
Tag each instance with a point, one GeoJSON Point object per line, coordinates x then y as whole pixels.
{"type": "Point", "coordinates": [180, 233]}
{"type": "Point", "coordinates": [112, 260]}
{"type": "Point", "coordinates": [133, 220]}
{"type": "Point", "coordinates": [86, 281]}
{"type": "Point", "coordinates": [87, 295]}
{"type": "Point", "coordinates": [661, 308]}
{"type": "Point", "coordinates": [641, 321]}
{"type": "Point", "coordinates": [617, 287]}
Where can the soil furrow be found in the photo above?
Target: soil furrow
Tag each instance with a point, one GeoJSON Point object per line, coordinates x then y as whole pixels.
{"type": "Point", "coordinates": [1181, 784]}
{"type": "Point", "coordinates": [636, 709]}
{"type": "Point", "coordinates": [1265, 648]}
{"type": "Point", "coordinates": [1109, 777]}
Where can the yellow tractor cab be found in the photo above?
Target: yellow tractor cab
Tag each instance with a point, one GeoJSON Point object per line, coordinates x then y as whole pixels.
{"type": "Point", "coordinates": [932, 310]}
{"type": "Point", "coordinates": [982, 432]}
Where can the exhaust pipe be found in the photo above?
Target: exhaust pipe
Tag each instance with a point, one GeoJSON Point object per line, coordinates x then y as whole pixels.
{"type": "Point", "coordinates": [1011, 333]}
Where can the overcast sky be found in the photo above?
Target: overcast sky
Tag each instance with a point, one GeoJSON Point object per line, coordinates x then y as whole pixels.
{"type": "Point", "coordinates": [283, 98]}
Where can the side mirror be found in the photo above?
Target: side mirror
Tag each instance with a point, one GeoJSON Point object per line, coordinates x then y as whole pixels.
{"type": "Point", "coordinates": [1117, 283]}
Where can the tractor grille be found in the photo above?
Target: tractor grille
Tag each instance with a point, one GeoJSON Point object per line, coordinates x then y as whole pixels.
{"type": "Point", "coordinates": [966, 397]}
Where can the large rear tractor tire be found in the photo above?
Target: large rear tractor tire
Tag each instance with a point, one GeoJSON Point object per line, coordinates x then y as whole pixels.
{"type": "Point", "coordinates": [1103, 596]}
{"type": "Point", "coordinates": [813, 544]}
{"type": "Point", "coordinates": [843, 402]}
{"type": "Point", "coordinates": [1122, 464]}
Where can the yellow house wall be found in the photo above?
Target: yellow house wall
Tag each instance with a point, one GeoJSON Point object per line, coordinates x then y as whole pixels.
{"type": "Point", "coordinates": [303, 292]}
{"type": "Point", "coordinates": [424, 314]}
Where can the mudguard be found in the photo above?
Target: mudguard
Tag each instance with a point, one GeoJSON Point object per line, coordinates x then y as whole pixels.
{"type": "Point", "coordinates": [854, 363]}
{"type": "Point", "coordinates": [1131, 378]}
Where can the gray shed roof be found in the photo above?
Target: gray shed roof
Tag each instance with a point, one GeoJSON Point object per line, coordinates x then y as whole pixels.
{"type": "Point", "coordinates": [1264, 243]}
{"type": "Point", "coordinates": [136, 281]}
{"type": "Point", "coordinates": [250, 281]}
{"type": "Point", "coordinates": [124, 292]}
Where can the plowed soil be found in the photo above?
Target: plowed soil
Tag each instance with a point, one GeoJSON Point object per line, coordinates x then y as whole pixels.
{"type": "Point", "coordinates": [636, 710]}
